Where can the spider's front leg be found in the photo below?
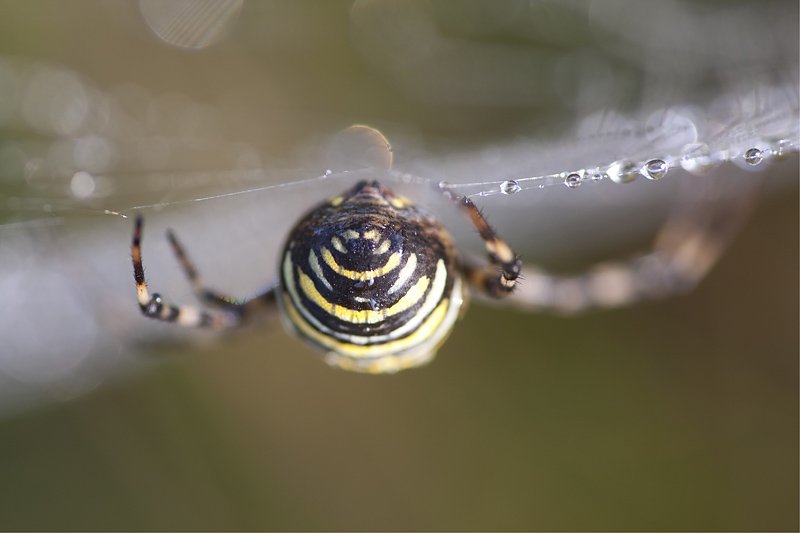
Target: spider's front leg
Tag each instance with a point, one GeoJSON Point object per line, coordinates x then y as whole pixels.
{"type": "Point", "coordinates": [499, 278]}
{"type": "Point", "coordinates": [685, 249]}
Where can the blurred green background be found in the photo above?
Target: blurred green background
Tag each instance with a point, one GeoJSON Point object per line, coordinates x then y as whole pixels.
{"type": "Point", "coordinates": [675, 415]}
{"type": "Point", "coordinates": [672, 415]}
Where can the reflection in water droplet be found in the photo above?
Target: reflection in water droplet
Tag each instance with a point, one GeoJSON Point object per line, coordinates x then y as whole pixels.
{"type": "Point", "coordinates": [510, 187]}
{"type": "Point", "coordinates": [753, 156]}
{"type": "Point", "coordinates": [655, 169]}
{"type": "Point", "coordinates": [622, 171]}
{"type": "Point", "coordinates": [572, 181]}
{"type": "Point", "coordinates": [327, 172]}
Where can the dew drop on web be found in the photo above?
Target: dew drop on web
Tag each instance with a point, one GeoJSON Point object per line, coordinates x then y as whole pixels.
{"type": "Point", "coordinates": [510, 187]}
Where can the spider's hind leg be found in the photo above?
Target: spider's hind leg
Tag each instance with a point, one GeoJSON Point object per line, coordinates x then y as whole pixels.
{"type": "Point", "coordinates": [152, 305]}
{"type": "Point", "coordinates": [211, 297]}
{"type": "Point", "coordinates": [203, 293]}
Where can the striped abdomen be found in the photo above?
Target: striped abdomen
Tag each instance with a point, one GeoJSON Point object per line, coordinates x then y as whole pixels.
{"type": "Point", "coordinates": [370, 281]}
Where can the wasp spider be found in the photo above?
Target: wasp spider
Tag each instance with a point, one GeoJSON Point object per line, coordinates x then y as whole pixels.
{"type": "Point", "coordinates": [377, 283]}
{"type": "Point", "coordinates": [368, 277]}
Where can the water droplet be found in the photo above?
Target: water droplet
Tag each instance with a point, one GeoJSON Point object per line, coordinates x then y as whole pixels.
{"type": "Point", "coordinates": [572, 181]}
{"type": "Point", "coordinates": [783, 148]}
{"type": "Point", "coordinates": [753, 156]}
{"type": "Point", "coordinates": [622, 171]}
{"type": "Point", "coordinates": [327, 172]}
{"type": "Point", "coordinates": [655, 169]}
{"type": "Point", "coordinates": [596, 174]}
{"type": "Point", "coordinates": [444, 185]}
{"type": "Point", "coordinates": [696, 158]}
{"type": "Point", "coordinates": [115, 213]}
{"type": "Point", "coordinates": [510, 187]}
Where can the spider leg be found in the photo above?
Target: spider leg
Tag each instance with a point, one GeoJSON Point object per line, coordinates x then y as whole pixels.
{"type": "Point", "coordinates": [203, 293]}
{"type": "Point", "coordinates": [153, 306]}
{"type": "Point", "coordinates": [499, 278]}
{"type": "Point", "coordinates": [684, 250]}
{"type": "Point", "coordinates": [244, 309]}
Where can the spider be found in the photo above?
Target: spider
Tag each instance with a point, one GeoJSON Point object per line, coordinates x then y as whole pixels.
{"type": "Point", "coordinates": [377, 283]}
{"type": "Point", "coordinates": [366, 276]}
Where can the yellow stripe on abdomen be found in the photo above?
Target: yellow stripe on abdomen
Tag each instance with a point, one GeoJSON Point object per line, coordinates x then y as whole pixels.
{"type": "Point", "coordinates": [365, 275]}
{"type": "Point", "coordinates": [363, 316]}
{"type": "Point", "coordinates": [423, 332]}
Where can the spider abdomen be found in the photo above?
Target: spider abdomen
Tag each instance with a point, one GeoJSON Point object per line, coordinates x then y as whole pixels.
{"type": "Point", "coordinates": [371, 280]}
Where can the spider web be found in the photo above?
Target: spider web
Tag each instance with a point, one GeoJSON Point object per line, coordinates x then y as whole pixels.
{"type": "Point", "coordinates": [77, 155]}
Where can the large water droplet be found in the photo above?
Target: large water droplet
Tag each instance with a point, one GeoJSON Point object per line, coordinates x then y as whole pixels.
{"type": "Point", "coordinates": [572, 181]}
{"type": "Point", "coordinates": [753, 156]}
{"type": "Point", "coordinates": [622, 171]}
{"type": "Point", "coordinates": [327, 172]}
{"type": "Point", "coordinates": [655, 169]}
{"type": "Point", "coordinates": [510, 187]}
{"type": "Point", "coordinates": [696, 158]}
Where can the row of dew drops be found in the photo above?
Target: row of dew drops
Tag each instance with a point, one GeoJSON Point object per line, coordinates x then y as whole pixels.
{"type": "Point", "coordinates": [696, 158]}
